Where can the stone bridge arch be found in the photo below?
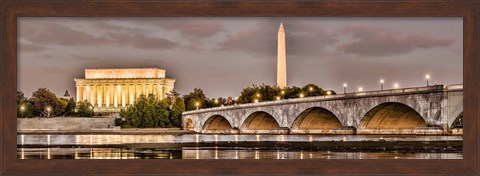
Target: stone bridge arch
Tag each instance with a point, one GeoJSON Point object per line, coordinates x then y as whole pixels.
{"type": "Point", "coordinates": [208, 116]}
{"type": "Point", "coordinates": [336, 108]}
{"type": "Point", "coordinates": [391, 116]}
{"type": "Point", "coordinates": [316, 118]}
{"type": "Point", "coordinates": [421, 106]}
{"type": "Point", "coordinates": [258, 121]}
{"type": "Point", "coordinates": [216, 122]}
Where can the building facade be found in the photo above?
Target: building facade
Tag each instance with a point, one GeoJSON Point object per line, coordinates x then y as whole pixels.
{"type": "Point", "coordinates": [110, 90]}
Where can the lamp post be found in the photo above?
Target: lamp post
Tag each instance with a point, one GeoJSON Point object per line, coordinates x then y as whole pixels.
{"type": "Point", "coordinates": [22, 109]}
{"type": "Point", "coordinates": [301, 95]}
{"type": "Point", "coordinates": [360, 89]}
{"type": "Point", "coordinates": [427, 77]}
{"type": "Point", "coordinates": [91, 109]}
{"type": "Point", "coordinates": [48, 111]}
{"type": "Point", "coordinates": [344, 88]}
{"type": "Point", "coordinates": [197, 104]}
{"type": "Point", "coordinates": [381, 84]}
{"type": "Point", "coordinates": [329, 92]}
{"type": "Point", "coordinates": [395, 85]}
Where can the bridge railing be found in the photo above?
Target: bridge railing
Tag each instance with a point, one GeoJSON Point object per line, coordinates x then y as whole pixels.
{"type": "Point", "coordinates": [326, 97]}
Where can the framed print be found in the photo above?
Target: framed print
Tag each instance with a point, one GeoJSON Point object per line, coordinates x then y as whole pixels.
{"type": "Point", "coordinates": [239, 87]}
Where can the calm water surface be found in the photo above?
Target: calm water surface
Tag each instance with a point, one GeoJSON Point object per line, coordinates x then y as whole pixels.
{"type": "Point", "coordinates": [49, 146]}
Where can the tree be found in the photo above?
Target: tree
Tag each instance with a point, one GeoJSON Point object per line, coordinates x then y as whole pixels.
{"type": "Point", "coordinates": [147, 112]}
{"type": "Point", "coordinates": [195, 99]}
{"type": "Point", "coordinates": [311, 90]}
{"type": "Point", "coordinates": [24, 106]}
{"type": "Point", "coordinates": [84, 109]}
{"type": "Point", "coordinates": [46, 103]}
{"type": "Point", "coordinates": [176, 110]}
{"type": "Point", "coordinates": [70, 107]}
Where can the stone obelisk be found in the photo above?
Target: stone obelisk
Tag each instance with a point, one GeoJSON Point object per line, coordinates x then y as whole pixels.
{"type": "Point", "coordinates": [281, 59]}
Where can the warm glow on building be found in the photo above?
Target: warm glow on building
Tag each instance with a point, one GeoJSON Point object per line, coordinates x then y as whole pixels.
{"type": "Point", "coordinates": [110, 90]}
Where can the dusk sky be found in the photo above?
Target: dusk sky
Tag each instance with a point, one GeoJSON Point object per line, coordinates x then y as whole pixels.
{"type": "Point", "coordinates": [223, 55]}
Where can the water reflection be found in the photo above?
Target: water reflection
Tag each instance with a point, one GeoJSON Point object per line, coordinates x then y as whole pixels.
{"type": "Point", "coordinates": [215, 153]}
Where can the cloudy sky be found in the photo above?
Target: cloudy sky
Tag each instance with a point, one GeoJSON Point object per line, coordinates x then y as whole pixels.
{"type": "Point", "coordinates": [224, 55]}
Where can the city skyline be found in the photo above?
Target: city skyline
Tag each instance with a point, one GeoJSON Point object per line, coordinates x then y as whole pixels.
{"type": "Point", "coordinates": [233, 53]}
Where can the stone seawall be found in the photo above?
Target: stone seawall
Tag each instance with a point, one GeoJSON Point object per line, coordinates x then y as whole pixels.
{"type": "Point", "coordinates": [64, 123]}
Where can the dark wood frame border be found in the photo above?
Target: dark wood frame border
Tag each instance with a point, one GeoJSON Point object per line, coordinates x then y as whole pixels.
{"type": "Point", "coordinates": [10, 10]}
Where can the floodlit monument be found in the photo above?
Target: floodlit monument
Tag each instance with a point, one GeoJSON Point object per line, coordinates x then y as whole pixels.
{"type": "Point", "coordinates": [110, 90]}
{"type": "Point", "coordinates": [281, 59]}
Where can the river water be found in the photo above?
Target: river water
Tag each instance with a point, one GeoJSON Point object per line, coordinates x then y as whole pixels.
{"type": "Point", "coordinates": [212, 146]}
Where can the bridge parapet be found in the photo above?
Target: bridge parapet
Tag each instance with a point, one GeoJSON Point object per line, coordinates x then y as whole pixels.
{"type": "Point", "coordinates": [436, 88]}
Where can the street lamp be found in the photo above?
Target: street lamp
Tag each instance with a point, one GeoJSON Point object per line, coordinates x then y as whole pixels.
{"type": "Point", "coordinates": [197, 104]}
{"type": "Point", "coordinates": [310, 88]}
{"type": "Point", "coordinates": [48, 111]}
{"type": "Point", "coordinates": [22, 109]}
{"type": "Point", "coordinates": [256, 100]}
{"type": "Point", "coordinates": [282, 92]}
{"type": "Point", "coordinates": [91, 109]}
{"type": "Point", "coordinates": [344, 88]}
{"type": "Point", "coordinates": [381, 84]}
{"type": "Point", "coordinates": [395, 85]}
{"type": "Point", "coordinates": [278, 97]}
{"type": "Point", "coordinates": [427, 77]}
{"type": "Point", "coordinates": [216, 101]}
{"type": "Point", "coordinates": [301, 95]}
{"type": "Point", "coordinates": [360, 89]}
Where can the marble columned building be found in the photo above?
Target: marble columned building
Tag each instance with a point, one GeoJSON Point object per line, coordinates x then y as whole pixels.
{"type": "Point", "coordinates": [110, 90]}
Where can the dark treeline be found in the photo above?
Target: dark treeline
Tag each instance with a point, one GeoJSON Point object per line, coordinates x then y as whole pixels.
{"type": "Point", "coordinates": [149, 111]}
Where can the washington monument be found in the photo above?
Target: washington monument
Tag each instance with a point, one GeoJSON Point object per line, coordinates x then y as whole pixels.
{"type": "Point", "coordinates": [281, 59]}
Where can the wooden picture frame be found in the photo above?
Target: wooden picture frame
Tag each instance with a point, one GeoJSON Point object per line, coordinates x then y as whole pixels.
{"type": "Point", "coordinates": [11, 10]}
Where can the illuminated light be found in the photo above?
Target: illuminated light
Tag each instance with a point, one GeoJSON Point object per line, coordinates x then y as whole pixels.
{"type": "Point", "coordinates": [360, 89]}
{"type": "Point", "coordinates": [344, 84]}
{"type": "Point", "coordinates": [256, 100]}
{"type": "Point", "coordinates": [301, 95]}
{"type": "Point", "coordinates": [222, 105]}
{"type": "Point", "coordinates": [197, 104]}
{"type": "Point", "coordinates": [301, 155]}
{"type": "Point", "coordinates": [22, 108]}
{"type": "Point", "coordinates": [310, 88]}
{"type": "Point", "coordinates": [329, 92]}
{"type": "Point", "coordinates": [278, 98]}
{"type": "Point", "coordinates": [258, 95]}
{"type": "Point", "coordinates": [427, 76]}
{"type": "Point", "coordinates": [258, 138]}
{"type": "Point", "coordinates": [282, 92]}
{"type": "Point", "coordinates": [197, 154]}
{"type": "Point", "coordinates": [381, 81]}
{"type": "Point", "coordinates": [236, 154]}
{"type": "Point", "coordinates": [236, 98]}
{"type": "Point", "coordinates": [216, 101]}
{"type": "Point", "coordinates": [395, 85]}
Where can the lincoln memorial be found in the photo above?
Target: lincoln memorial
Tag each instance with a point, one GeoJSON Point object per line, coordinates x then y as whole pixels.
{"type": "Point", "coordinates": [110, 90]}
